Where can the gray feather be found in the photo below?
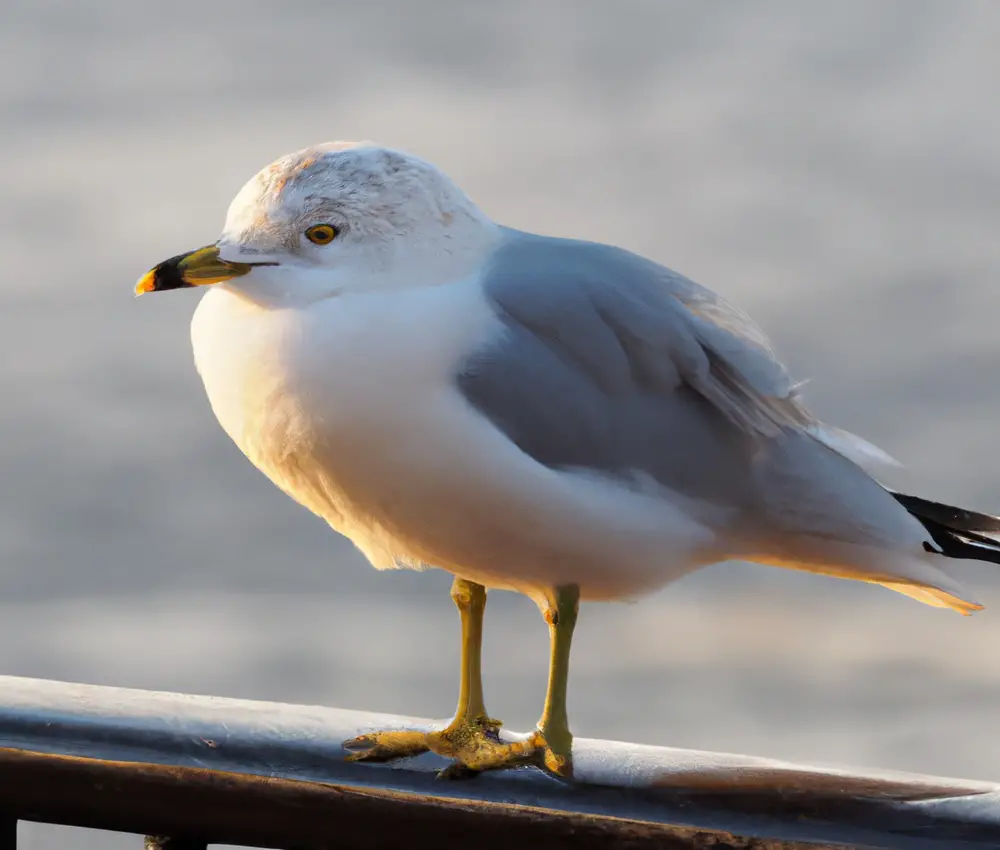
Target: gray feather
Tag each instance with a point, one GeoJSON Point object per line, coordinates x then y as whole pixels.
{"type": "Point", "coordinates": [632, 324]}
{"type": "Point", "coordinates": [605, 366]}
{"type": "Point", "coordinates": [613, 363]}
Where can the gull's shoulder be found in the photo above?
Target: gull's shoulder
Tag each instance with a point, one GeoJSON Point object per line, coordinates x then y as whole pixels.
{"type": "Point", "coordinates": [628, 320]}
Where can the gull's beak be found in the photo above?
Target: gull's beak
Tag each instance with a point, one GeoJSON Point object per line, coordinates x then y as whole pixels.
{"type": "Point", "coordinates": [196, 268]}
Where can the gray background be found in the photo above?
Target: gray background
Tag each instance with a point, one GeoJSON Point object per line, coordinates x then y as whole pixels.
{"type": "Point", "coordinates": [833, 168]}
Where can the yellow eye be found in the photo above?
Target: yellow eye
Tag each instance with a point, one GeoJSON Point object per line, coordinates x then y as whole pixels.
{"type": "Point", "coordinates": [321, 234]}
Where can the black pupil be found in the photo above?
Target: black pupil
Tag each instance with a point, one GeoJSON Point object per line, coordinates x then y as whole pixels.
{"type": "Point", "coordinates": [322, 233]}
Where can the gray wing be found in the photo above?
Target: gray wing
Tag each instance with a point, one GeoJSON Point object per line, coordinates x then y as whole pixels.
{"type": "Point", "coordinates": [632, 324]}
{"type": "Point", "coordinates": [613, 362]}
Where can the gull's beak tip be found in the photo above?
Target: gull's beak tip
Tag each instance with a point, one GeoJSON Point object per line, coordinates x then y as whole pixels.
{"type": "Point", "coordinates": [146, 283]}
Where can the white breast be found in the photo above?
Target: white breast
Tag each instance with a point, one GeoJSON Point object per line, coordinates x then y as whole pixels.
{"type": "Point", "coordinates": [317, 396]}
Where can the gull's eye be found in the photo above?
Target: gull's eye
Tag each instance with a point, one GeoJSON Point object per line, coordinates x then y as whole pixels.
{"type": "Point", "coordinates": [321, 234]}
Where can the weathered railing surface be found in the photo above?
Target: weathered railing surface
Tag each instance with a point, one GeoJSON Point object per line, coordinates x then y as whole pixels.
{"type": "Point", "coordinates": [204, 769]}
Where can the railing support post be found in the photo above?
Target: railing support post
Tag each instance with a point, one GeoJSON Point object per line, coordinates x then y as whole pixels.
{"type": "Point", "coordinates": [8, 833]}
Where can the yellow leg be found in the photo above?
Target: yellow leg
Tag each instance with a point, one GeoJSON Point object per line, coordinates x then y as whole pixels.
{"type": "Point", "coordinates": [470, 599]}
{"type": "Point", "coordinates": [557, 740]}
{"type": "Point", "coordinates": [472, 738]}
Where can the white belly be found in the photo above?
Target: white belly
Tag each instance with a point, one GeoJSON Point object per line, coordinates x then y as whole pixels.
{"type": "Point", "coordinates": [350, 408]}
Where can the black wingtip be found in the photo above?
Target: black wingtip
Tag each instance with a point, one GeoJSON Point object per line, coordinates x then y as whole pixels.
{"type": "Point", "coordinates": [957, 519]}
{"type": "Point", "coordinates": [958, 533]}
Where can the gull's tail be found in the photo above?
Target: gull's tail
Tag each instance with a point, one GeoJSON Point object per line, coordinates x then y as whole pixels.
{"type": "Point", "coordinates": [957, 533]}
{"type": "Point", "coordinates": [825, 512]}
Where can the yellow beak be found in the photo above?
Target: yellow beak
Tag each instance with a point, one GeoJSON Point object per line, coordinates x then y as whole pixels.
{"type": "Point", "coordinates": [196, 268]}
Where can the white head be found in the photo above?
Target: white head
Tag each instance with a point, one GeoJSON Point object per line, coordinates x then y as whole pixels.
{"type": "Point", "coordinates": [335, 218]}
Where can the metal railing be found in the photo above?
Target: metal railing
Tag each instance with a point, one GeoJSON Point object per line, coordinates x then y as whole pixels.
{"type": "Point", "coordinates": [186, 771]}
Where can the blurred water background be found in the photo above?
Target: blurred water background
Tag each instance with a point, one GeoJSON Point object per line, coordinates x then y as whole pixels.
{"type": "Point", "coordinates": [833, 168]}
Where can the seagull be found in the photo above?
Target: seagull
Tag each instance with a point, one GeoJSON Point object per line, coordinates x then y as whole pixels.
{"type": "Point", "coordinates": [559, 418]}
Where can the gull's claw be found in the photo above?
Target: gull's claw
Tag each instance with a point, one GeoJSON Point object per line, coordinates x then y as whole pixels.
{"type": "Point", "coordinates": [387, 746]}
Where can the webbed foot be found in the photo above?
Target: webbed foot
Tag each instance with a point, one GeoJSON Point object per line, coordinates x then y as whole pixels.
{"type": "Point", "coordinates": [473, 744]}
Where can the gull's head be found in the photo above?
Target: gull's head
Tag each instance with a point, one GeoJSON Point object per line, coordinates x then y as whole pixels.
{"type": "Point", "coordinates": [334, 218]}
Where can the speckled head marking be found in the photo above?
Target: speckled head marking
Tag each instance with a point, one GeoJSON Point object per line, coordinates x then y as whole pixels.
{"type": "Point", "coordinates": [361, 188]}
{"type": "Point", "coordinates": [279, 176]}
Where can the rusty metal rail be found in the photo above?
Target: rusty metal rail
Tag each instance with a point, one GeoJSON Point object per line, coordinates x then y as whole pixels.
{"type": "Point", "coordinates": [189, 770]}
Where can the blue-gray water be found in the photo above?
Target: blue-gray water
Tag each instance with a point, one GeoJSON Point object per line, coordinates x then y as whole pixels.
{"type": "Point", "coordinates": [833, 168]}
